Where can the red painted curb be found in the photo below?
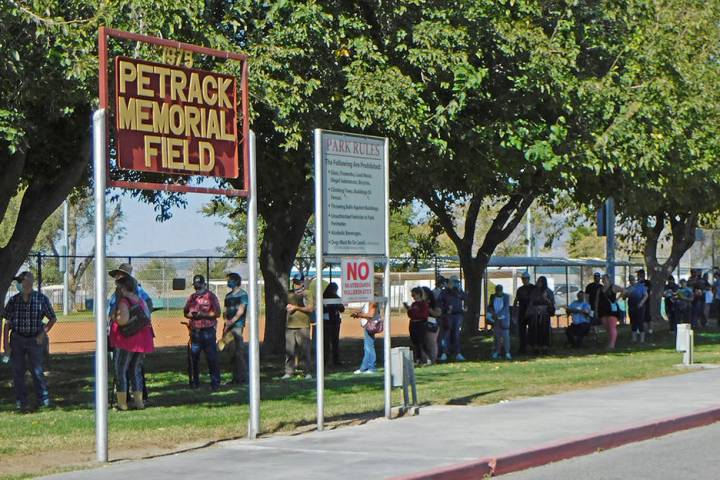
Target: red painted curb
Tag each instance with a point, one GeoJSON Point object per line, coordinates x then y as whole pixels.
{"type": "Point", "coordinates": [556, 451]}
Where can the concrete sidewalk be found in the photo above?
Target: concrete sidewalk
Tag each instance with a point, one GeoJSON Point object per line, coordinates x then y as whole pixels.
{"type": "Point", "coordinates": [446, 436]}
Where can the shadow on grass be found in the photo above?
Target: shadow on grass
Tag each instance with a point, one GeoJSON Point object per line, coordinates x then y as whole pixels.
{"type": "Point", "coordinates": [72, 383]}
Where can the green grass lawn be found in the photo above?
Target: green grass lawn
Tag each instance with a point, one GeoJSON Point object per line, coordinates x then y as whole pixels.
{"type": "Point", "coordinates": [179, 417]}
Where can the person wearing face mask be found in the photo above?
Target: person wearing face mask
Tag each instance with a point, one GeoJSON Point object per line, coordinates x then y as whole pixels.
{"type": "Point", "coordinates": [236, 302]}
{"type": "Point", "coordinates": [24, 313]}
{"type": "Point", "coordinates": [203, 309]}
{"type": "Point", "coordinates": [297, 330]}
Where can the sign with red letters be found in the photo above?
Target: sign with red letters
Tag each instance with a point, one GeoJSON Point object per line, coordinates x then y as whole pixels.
{"type": "Point", "coordinates": [357, 280]}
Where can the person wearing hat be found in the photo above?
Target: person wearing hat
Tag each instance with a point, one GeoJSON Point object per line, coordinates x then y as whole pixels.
{"type": "Point", "coordinates": [522, 300]}
{"type": "Point", "coordinates": [592, 295]}
{"type": "Point", "coordinates": [236, 302]}
{"type": "Point", "coordinates": [297, 330]}
{"type": "Point", "coordinates": [203, 309]}
{"type": "Point", "coordinates": [24, 313]}
{"type": "Point", "coordinates": [125, 270]}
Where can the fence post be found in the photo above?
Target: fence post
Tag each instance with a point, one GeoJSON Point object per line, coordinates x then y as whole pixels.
{"type": "Point", "coordinates": [207, 269]}
{"type": "Point", "coordinates": [39, 271]}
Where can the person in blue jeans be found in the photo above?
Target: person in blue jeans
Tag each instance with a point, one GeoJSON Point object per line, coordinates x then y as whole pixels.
{"type": "Point", "coordinates": [203, 310]}
{"type": "Point", "coordinates": [453, 299]}
{"type": "Point", "coordinates": [499, 314]}
{"type": "Point", "coordinates": [24, 313]}
{"type": "Point", "coordinates": [371, 311]}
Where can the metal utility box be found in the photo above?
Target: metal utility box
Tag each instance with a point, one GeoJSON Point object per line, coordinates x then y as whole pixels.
{"type": "Point", "coordinates": [685, 342]}
{"type": "Point", "coordinates": [403, 374]}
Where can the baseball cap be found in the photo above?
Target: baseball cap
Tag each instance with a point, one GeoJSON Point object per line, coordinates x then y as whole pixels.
{"type": "Point", "coordinates": [297, 278]}
{"type": "Point", "coordinates": [597, 274]}
{"type": "Point", "coordinates": [125, 268]}
{"type": "Point", "coordinates": [525, 274]}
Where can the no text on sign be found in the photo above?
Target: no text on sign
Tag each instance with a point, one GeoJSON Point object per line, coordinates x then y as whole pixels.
{"type": "Point", "coordinates": [358, 280]}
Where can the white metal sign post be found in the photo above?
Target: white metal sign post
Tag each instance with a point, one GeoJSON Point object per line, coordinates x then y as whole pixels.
{"type": "Point", "coordinates": [254, 344]}
{"type": "Point", "coordinates": [351, 220]}
{"type": "Point", "coordinates": [101, 363]}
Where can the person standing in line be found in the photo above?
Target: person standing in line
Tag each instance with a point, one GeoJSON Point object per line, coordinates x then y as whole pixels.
{"type": "Point", "coordinates": [669, 295]}
{"type": "Point", "coordinates": [592, 296]}
{"type": "Point", "coordinates": [716, 291]}
{"type": "Point", "coordinates": [433, 325]}
{"type": "Point", "coordinates": [499, 312]}
{"type": "Point", "coordinates": [608, 309]}
{"type": "Point", "coordinates": [25, 334]}
{"type": "Point", "coordinates": [203, 309]}
{"type": "Point", "coordinates": [453, 299]}
{"type": "Point", "coordinates": [637, 297]}
{"type": "Point", "coordinates": [695, 282]}
{"type": "Point", "coordinates": [541, 308]}
{"type": "Point", "coordinates": [580, 312]}
{"type": "Point", "coordinates": [132, 337]}
{"type": "Point", "coordinates": [522, 300]}
{"type": "Point", "coordinates": [418, 313]}
{"type": "Point", "coordinates": [125, 270]}
{"type": "Point", "coordinates": [708, 299]}
{"type": "Point", "coordinates": [642, 278]}
{"type": "Point", "coordinates": [683, 302]}
{"type": "Point", "coordinates": [331, 325]}
{"type": "Point", "coordinates": [369, 313]}
{"type": "Point", "coordinates": [236, 302]}
{"type": "Point", "coordinates": [442, 318]}
{"type": "Point", "coordinates": [297, 330]}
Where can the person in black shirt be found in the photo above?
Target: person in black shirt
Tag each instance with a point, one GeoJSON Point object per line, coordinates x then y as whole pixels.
{"type": "Point", "coordinates": [671, 289]}
{"type": "Point", "coordinates": [540, 308]}
{"type": "Point", "coordinates": [522, 300]}
{"type": "Point", "coordinates": [592, 296]}
{"type": "Point", "coordinates": [331, 324]}
{"type": "Point", "coordinates": [642, 278]}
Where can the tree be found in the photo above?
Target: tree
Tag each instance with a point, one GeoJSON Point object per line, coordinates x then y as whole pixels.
{"type": "Point", "coordinates": [658, 159]}
{"type": "Point", "coordinates": [49, 80]}
{"type": "Point", "coordinates": [584, 243]}
{"type": "Point", "coordinates": [483, 100]}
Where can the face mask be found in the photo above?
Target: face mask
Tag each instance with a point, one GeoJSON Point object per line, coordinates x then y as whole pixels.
{"type": "Point", "coordinates": [18, 285]}
{"type": "Point", "coordinates": [198, 286]}
{"type": "Point", "coordinates": [231, 284]}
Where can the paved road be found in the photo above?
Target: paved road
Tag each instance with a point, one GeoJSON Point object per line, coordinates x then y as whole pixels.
{"type": "Point", "coordinates": [691, 454]}
{"type": "Point", "coordinates": [382, 449]}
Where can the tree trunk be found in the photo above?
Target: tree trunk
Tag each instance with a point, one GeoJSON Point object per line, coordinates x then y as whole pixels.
{"type": "Point", "coordinates": [41, 199]}
{"type": "Point", "coordinates": [285, 227]}
{"type": "Point", "coordinates": [473, 272]}
{"type": "Point", "coordinates": [683, 236]}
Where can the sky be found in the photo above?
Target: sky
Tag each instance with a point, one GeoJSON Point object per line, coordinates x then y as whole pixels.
{"type": "Point", "coordinates": [186, 230]}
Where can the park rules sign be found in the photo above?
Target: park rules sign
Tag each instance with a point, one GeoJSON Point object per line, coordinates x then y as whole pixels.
{"type": "Point", "coordinates": [357, 280]}
{"type": "Point", "coordinates": [354, 194]}
{"type": "Point", "coordinates": [176, 120]}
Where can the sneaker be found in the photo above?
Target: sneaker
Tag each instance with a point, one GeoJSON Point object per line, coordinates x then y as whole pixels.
{"type": "Point", "coordinates": [508, 356]}
{"type": "Point", "coordinates": [443, 357]}
{"type": "Point", "coordinates": [371, 371]}
{"type": "Point", "coordinates": [459, 357]}
{"type": "Point", "coordinates": [495, 355]}
{"type": "Point", "coordinates": [286, 376]}
{"type": "Point", "coordinates": [428, 362]}
{"type": "Point", "coordinates": [358, 372]}
{"type": "Point", "coordinates": [308, 376]}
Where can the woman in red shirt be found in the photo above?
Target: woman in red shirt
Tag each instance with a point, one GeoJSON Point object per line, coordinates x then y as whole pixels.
{"type": "Point", "coordinates": [418, 313]}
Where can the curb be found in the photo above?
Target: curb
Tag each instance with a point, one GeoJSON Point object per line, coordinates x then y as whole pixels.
{"type": "Point", "coordinates": [563, 450]}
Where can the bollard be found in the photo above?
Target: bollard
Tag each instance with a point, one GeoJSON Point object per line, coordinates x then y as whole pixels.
{"type": "Point", "coordinates": [685, 342]}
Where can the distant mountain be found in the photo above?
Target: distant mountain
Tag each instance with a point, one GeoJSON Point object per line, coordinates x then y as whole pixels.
{"type": "Point", "coordinates": [196, 252]}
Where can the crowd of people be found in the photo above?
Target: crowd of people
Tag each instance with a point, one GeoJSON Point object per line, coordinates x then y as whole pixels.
{"type": "Point", "coordinates": [435, 324]}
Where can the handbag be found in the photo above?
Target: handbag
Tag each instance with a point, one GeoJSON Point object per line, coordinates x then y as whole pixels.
{"type": "Point", "coordinates": [138, 320]}
{"type": "Point", "coordinates": [374, 326]}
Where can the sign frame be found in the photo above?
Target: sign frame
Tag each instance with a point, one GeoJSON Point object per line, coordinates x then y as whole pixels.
{"type": "Point", "coordinates": [105, 33]}
{"type": "Point", "coordinates": [320, 258]}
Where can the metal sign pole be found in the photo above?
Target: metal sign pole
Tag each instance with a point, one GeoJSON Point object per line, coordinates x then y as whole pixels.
{"type": "Point", "coordinates": [101, 373]}
{"type": "Point", "coordinates": [65, 262]}
{"type": "Point", "coordinates": [319, 343]}
{"type": "Point", "coordinates": [610, 254]}
{"type": "Point", "coordinates": [387, 345]}
{"type": "Point", "coordinates": [252, 260]}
